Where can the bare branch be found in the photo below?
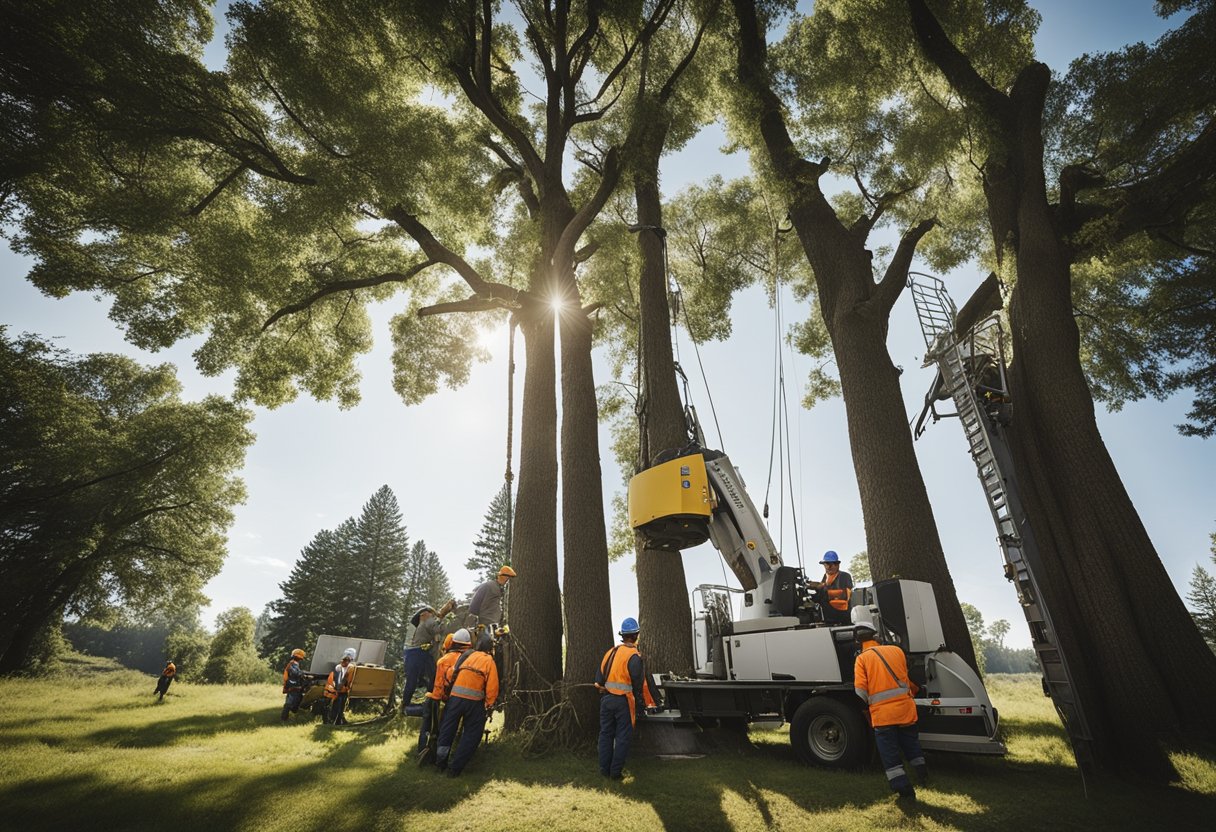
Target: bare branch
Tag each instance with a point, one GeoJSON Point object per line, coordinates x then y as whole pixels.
{"type": "Point", "coordinates": [440, 253]}
{"type": "Point", "coordinates": [473, 304]}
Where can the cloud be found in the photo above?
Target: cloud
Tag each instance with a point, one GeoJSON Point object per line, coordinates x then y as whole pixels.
{"type": "Point", "coordinates": [266, 561]}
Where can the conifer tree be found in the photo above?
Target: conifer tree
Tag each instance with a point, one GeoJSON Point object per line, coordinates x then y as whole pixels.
{"type": "Point", "coordinates": [492, 549]}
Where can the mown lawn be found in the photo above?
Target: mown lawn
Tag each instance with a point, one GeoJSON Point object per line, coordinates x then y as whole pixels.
{"type": "Point", "coordinates": [91, 749]}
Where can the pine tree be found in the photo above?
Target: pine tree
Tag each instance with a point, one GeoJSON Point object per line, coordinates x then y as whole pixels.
{"type": "Point", "coordinates": [438, 588]}
{"type": "Point", "coordinates": [492, 549]}
{"type": "Point", "coordinates": [1203, 600]}
{"type": "Point", "coordinates": [306, 600]}
{"type": "Point", "coordinates": [377, 571]}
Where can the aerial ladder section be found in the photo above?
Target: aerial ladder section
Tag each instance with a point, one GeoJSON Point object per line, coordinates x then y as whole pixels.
{"type": "Point", "coordinates": [971, 372]}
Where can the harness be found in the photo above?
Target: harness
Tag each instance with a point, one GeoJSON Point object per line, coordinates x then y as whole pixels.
{"type": "Point", "coordinates": [456, 671]}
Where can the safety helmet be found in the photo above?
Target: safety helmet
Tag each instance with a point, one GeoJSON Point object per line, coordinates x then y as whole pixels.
{"type": "Point", "coordinates": [461, 636]}
{"type": "Point", "coordinates": [864, 630]}
{"type": "Point", "coordinates": [297, 653]}
{"type": "Point", "coordinates": [830, 557]}
{"type": "Point", "coordinates": [349, 653]}
{"type": "Point", "coordinates": [418, 615]}
{"type": "Point", "coordinates": [508, 571]}
{"type": "Point", "coordinates": [629, 627]}
{"type": "Point", "coordinates": [447, 641]}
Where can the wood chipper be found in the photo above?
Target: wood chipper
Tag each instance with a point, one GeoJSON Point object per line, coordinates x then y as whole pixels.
{"type": "Point", "coordinates": [372, 681]}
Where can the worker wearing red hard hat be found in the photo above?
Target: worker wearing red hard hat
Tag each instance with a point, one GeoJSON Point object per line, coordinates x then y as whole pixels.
{"type": "Point", "coordinates": [880, 678]}
{"type": "Point", "coordinates": [622, 680]}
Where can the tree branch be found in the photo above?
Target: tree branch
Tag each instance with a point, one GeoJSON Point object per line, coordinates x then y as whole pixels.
{"type": "Point", "coordinates": [896, 276]}
{"type": "Point", "coordinates": [563, 252]}
{"type": "Point", "coordinates": [347, 285]}
{"type": "Point", "coordinates": [473, 304]}
{"type": "Point", "coordinates": [440, 253]}
{"type": "Point", "coordinates": [942, 52]}
{"type": "Point", "coordinates": [217, 190]}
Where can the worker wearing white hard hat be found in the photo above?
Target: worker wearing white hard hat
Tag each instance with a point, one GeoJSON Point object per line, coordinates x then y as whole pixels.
{"type": "Point", "coordinates": [337, 687]}
{"type": "Point", "coordinates": [419, 654]}
{"type": "Point", "coordinates": [432, 709]}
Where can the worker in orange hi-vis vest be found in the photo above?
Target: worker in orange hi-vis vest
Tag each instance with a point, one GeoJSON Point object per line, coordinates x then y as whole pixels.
{"type": "Point", "coordinates": [471, 691]}
{"type": "Point", "coordinates": [293, 684]}
{"type": "Point", "coordinates": [454, 644]}
{"type": "Point", "coordinates": [622, 680]}
{"type": "Point", "coordinates": [880, 678]}
{"type": "Point", "coordinates": [166, 678]}
{"type": "Point", "coordinates": [834, 591]}
{"type": "Point", "coordinates": [337, 687]}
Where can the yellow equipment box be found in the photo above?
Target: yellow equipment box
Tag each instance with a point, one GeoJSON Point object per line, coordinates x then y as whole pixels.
{"type": "Point", "coordinates": [671, 503]}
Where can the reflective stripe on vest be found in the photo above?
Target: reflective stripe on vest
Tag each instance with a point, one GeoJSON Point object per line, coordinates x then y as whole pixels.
{"type": "Point", "coordinates": [468, 693]}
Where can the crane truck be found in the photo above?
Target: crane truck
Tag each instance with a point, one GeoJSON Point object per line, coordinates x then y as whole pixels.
{"type": "Point", "coordinates": [779, 662]}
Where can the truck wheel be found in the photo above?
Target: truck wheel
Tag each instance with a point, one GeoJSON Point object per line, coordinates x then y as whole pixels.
{"type": "Point", "coordinates": [827, 732]}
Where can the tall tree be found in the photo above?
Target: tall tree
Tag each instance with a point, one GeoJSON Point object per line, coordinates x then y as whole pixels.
{"type": "Point", "coordinates": [492, 548]}
{"type": "Point", "coordinates": [308, 603]}
{"type": "Point", "coordinates": [1098, 556]}
{"type": "Point", "coordinates": [855, 306]}
{"type": "Point", "coordinates": [116, 492]}
{"type": "Point", "coordinates": [375, 579]}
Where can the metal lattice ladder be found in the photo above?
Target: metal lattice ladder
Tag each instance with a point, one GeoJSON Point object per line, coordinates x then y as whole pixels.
{"type": "Point", "coordinates": [972, 373]}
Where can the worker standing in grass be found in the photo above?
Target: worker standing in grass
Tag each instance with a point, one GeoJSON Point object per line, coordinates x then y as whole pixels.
{"type": "Point", "coordinates": [485, 608]}
{"type": "Point", "coordinates": [472, 690]}
{"type": "Point", "coordinates": [454, 644]}
{"type": "Point", "coordinates": [419, 654]}
{"type": "Point", "coordinates": [166, 678]}
{"type": "Point", "coordinates": [337, 687]}
{"type": "Point", "coordinates": [834, 591]}
{"type": "Point", "coordinates": [880, 678]}
{"type": "Point", "coordinates": [622, 680]}
{"type": "Point", "coordinates": [293, 683]}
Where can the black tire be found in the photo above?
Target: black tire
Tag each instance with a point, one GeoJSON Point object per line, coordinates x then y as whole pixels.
{"type": "Point", "coordinates": [827, 732]}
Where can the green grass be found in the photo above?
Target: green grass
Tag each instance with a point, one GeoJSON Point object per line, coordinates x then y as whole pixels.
{"type": "Point", "coordinates": [91, 749]}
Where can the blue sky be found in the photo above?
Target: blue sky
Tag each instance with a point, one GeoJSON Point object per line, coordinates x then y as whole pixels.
{"type": "Point", "coordinates": [314, 465]}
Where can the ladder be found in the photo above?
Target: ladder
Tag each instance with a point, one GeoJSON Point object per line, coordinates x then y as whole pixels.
{"type": "Point", "coordinates": [972, 373]}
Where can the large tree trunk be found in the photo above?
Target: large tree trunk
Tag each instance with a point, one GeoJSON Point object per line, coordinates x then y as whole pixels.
{"type": "Point", "coordinates": [588, 601]}
{"type": "Point", "coordinates": [901, 536]}
{"type": "Point", "coordinates": [663, 605]}
{"type": "Point", "coordinates": [536, 618]}
{"type": "Point", "coordinates": [1127, 637]}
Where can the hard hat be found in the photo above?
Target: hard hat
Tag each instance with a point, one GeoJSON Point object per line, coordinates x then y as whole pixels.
{"type": "Point", "coordinates": [297, 653]}
{"type": "Point", "coordinates": [830, 557]}
{"type": "Point", "coordinates": [864, 629]}
{"type": "Point", "coordinates": [349, 653]}
{"type": "Point", "coordinates": [461, 636]}
{"type": "Point", "coordinates": [508, 571]}
{"type": "Point", "coordinates": [629, 627]}
{"type": "Point", "coordinates": [447, 641]}
{"type": "Point", "coordinates": [418, 614]}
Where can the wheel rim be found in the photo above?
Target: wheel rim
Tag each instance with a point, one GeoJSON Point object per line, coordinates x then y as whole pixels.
{"type": "Point", "coordinates": [826, 737]}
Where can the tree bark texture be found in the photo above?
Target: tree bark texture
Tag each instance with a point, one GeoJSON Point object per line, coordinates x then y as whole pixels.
{"type": "Point", "coordinates": [901, 535]}
{"type": "Point", "coordinates": [663, 602]}
{"type": "Point", "coordinates": [536, 618]}
{"type": "Point", "coordinates": [587, 597]}
{"type": "Point", "coordinates": [1126, 621]}
{"type": "Point", "coordinates": [1140, 668]}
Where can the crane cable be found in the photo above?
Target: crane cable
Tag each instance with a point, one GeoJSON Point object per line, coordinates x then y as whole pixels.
{"type": "Point", "coordinates": [779, 437]}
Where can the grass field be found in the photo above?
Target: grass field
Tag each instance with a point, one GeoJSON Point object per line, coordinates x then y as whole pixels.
{"type": "Point", "coordinates": [91, 749]}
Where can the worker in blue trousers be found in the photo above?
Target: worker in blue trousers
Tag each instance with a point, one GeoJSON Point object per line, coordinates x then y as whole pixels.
{"type": "Point", "coordinates": [623, 682]}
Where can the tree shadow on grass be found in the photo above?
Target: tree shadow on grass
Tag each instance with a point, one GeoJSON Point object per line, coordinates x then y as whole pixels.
{"type": "Point", "coordinates": [182, 728]}
{"type": "Point", "coordinates": [77, 801]}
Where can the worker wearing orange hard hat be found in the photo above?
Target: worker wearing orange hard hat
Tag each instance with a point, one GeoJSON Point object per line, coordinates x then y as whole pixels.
{"type": "Point", "coordinates": [166, 678]}
{"type": "Point", "coordinates": [486, 606]}
{"type": "Point", "coordinates": [293, 683]}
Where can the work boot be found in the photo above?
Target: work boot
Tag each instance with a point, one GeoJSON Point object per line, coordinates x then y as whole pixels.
{"type": "Point", "coordinates": [922, 774]}
{"type": "Point", "coordinates": [284, 717]}
{"type": "Point", "coordinates": [907, 793]}
{"type": "Point", "coordinates": [426, 755]}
